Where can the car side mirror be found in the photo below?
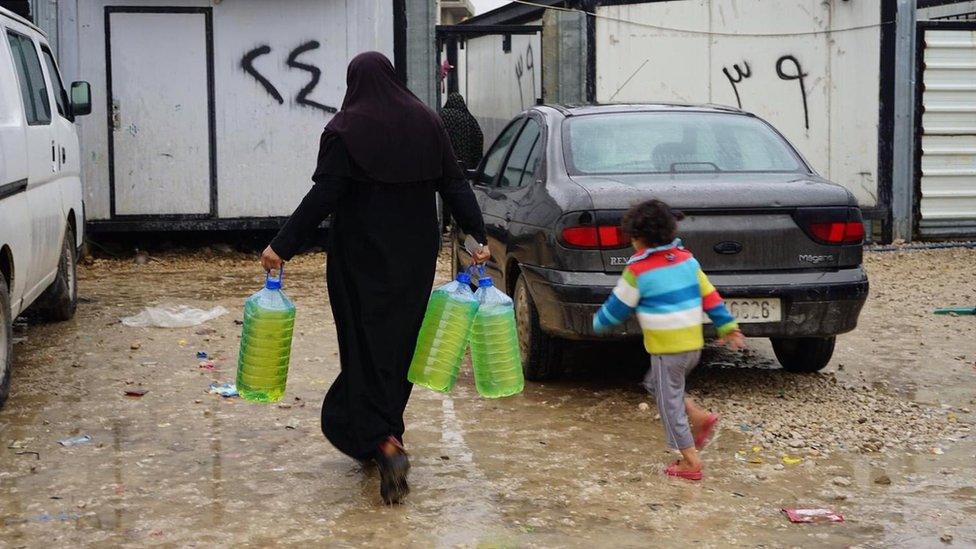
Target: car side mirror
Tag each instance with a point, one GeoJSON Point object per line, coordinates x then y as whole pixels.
{"type": "Point", "coordinates": [81, 100]}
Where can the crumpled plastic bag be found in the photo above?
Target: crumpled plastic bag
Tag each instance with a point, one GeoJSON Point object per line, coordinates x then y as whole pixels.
{"type": "Point", "coordinates": [172, 316]}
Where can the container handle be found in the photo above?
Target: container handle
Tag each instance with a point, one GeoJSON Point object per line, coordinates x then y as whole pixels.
{"type": "Point", "coordinates": [280, 277]}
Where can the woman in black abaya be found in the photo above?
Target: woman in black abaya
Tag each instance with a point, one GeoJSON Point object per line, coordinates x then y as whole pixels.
{"type": "Point", "coordinates": [381, 159]}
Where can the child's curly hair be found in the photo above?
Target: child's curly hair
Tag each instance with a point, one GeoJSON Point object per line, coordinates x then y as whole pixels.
{"type": "Point", "coordinates": [652, 222]}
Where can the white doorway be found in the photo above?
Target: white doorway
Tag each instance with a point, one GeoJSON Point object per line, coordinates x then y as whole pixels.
{"type": "Point", "coordinates": [161, 112]}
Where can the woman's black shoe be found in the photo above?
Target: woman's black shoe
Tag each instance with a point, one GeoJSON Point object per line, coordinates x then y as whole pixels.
{"type": "Point", "coordinates": [393, 465]}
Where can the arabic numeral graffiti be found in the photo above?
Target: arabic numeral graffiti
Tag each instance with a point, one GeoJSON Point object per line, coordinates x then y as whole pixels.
{"type": "Point", "coordinates": [247, 65]}
{"type": "Point", "coordinates": [524, 63]}
{"type": "Point", "coordinates": [302, 97]}
{"type": "Point", "coordinates": [739, 77]}
{"type": "Point", "coordinates": [798, 75]}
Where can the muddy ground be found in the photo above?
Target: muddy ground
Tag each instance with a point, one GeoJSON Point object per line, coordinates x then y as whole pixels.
{"type": "Point", "coordinates": [883, 435]}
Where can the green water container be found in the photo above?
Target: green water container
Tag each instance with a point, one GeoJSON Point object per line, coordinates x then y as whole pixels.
{"type": "Point", "coordinates": [495, 354]}
{"type": "Point", "coordinates": [444, 335]}
{"type": "Point", "coordinates": [262, 364]}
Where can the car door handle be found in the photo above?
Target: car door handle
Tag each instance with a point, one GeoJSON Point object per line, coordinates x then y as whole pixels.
{"type": "Point", "coordinates": [64, 156]}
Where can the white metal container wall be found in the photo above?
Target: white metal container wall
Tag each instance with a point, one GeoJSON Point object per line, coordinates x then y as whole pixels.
{"type": "Point", "coordinates": [265, 147]}
{"type": "Point", "coordinates": [948, 161]}
{"type": "Point", "coordinates": [497, 84]}
{"type": "Point", "coordinates": [776, 59]}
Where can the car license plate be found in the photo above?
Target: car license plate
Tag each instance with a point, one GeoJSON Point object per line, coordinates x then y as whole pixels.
{"type": "Point", "coordinates": [754, 310]}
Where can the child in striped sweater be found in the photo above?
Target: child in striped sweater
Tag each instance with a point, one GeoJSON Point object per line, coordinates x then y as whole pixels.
{"type": "Point", "coordinates": [666, 286]}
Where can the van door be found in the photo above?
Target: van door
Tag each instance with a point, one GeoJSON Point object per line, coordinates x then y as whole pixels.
{"type": "Point", "coordinates": [43, 198]}
{"type": "Point", "coordinates": [65, 137]}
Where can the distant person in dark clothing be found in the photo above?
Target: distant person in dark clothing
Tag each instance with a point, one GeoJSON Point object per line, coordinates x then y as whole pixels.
{"type": "Point", "coordinates": [20, 7]}
{"type": "Point", "coordinates": [381, 159]}
{"type": "Point", "coordinates": [463, 129]}
{"type": "Point", "coordinates": [466, 138]}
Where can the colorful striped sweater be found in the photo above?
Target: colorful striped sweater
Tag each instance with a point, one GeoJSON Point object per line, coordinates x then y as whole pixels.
{"type": "Point", "coordinates": [668, 289]}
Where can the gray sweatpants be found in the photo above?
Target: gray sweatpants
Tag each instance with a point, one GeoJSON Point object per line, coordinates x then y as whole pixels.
{"type": "Point", "coordinates": [666, 381]}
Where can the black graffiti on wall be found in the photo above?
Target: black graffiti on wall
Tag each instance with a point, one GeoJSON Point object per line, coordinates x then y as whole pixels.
{"type": "Point", "coordinates": [525, 63]}
{"type": "Point", "coordinates": [247, 65]}
{"type": "Point", "coordinates": [740, 75]}
{"type": "Point", "coordinates": [781, 65]}
{"type": "Point", "coordinates": [799, 75]}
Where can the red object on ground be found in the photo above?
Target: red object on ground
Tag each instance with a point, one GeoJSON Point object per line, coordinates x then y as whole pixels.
{"type": "Point", "coordinates": [135, 392]}
{"type": "Point", "coordinates": [673, 471]}
{"type": "Point", "coordinates": [707, 432]}
{"type": "Point", "coordinates": [809, 516]}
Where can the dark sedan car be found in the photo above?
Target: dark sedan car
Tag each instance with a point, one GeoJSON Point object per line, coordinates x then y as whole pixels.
{"type": "Point", "coordinates": [782, 244]}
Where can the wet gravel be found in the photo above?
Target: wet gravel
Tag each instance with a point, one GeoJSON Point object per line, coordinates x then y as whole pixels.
{"type": "Point", "coordinates": [881, 436]}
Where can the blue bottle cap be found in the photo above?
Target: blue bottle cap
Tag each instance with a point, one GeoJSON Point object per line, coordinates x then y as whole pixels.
{"type": "Point", "coordinates": [485, 282]}
{"type": "Point", "coordinates": [464, 278]}
{"type": "Point", "coordinates": [273, 283]}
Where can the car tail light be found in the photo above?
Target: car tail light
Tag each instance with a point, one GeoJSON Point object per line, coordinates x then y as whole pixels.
{"type": "Point", "coordinates": [834, 226]}
{"type": "Point", "coordinates": [839, 232]}
{"type": "Point", "coordinates": [594, 237]}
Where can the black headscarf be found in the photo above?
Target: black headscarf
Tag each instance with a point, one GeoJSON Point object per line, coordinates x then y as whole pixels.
{"type": "Point", "coordinates": [463, 129]}
{"type": "Point", "coordinates": [390, 134]}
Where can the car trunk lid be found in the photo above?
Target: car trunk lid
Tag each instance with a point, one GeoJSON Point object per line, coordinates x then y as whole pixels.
{"type": "Point", "coordinates": [740, 222]}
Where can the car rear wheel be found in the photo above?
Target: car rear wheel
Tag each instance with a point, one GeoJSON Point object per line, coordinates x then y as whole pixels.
{"type": "Point", "coordinates": [541, 354]}
{"type": "Point", "coordinates": [6, 341]}
{"type": "Point", "coordinates": [804, 354]}
{"type": "Point", "coordinates": [61, 298]}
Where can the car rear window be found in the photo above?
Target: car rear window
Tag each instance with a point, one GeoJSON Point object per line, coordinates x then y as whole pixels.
{"type": "Point", "coordinates": [675, 142]}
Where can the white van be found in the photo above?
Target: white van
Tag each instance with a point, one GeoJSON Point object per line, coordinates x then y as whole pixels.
{"type": "Point", "coordinates": [41, 211]}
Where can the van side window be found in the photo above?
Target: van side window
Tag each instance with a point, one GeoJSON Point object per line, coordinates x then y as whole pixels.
{"type": "Point", "coordinates": [37, 107]}
{"type": "Point", "coordinates": [60, 94]}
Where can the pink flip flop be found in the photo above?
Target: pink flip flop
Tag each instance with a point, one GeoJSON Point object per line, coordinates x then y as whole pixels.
{"type": "Point", "coordinates": [673, 471]}
{"type": "Point", "coordinates": [707, 432]}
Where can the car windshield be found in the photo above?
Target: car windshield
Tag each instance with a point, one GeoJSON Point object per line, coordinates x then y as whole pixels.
{"type": "Point", "coordinates": [675, 142]}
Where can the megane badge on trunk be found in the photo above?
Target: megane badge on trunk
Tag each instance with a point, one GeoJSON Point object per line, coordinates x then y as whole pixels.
{"type": "Point", "coordinates": [728, 247]}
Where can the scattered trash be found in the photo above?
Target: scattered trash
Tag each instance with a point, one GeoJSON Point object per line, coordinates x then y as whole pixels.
{"type": "Point", "coordinates": [18, 340]}
{"type": "Point", "coordinates": [883, 479]}
{"type": "Point", "coordinates": [37, 455]}
{"type": "Point", "coordinates": [945, 538]}
{"type": "Point", "coordinates": [202, 355]}
{"type": "Point", "coordinates": [792, 460]}
{"type": "Point", "coordinates": [135, 345]}
{"type": "Point", "coordinates": [207, 364]}
{"type": "Point", "coordinates": [225, 390]}
{"type": "Point", "coordinates": [181, 343]}
{"type": "Point", "coordinates": [20, 444]}
{"type": "Point", "coordinates": [643, 406]}
{"type": "Point", "coordinates": [738, 494]}
{"type": "Point", "coordinates": [74, 441]}
{"type": "Point", "coordinates": [754, 457]}
{"type": "Point", "coordinates": [446, 458]}
{"type": "Point", "coordinates": [841, 481]}
{"type": "Point", "coordinates": [238, 322]}
{"type": "Point", "coordinates": [810, 516]}
{"type": "Point", "coordinates": [149, 363]}
{"type": "Point", "coordinates": [937, 451]}
{"type": "Point", "coordinates": [136, 392]}
{"type": "Point", "coordinates": [956, 311]}
{"type": "Point", "coordinates": [179, 316]}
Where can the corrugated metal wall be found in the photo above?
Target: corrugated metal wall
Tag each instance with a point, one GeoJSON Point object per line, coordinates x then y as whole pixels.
{"type": "Point", "coordinates": [948, 133]}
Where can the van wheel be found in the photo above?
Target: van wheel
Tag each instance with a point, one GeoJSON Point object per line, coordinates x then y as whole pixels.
{"type": "Point", "coordinates": [6, 341]}
{"type": "Point", "coordinates": [804, 354]}
{"type": "Point", "coordinates": [61, 298]}
{"type": "Point", "coordinates": [542, 355]}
